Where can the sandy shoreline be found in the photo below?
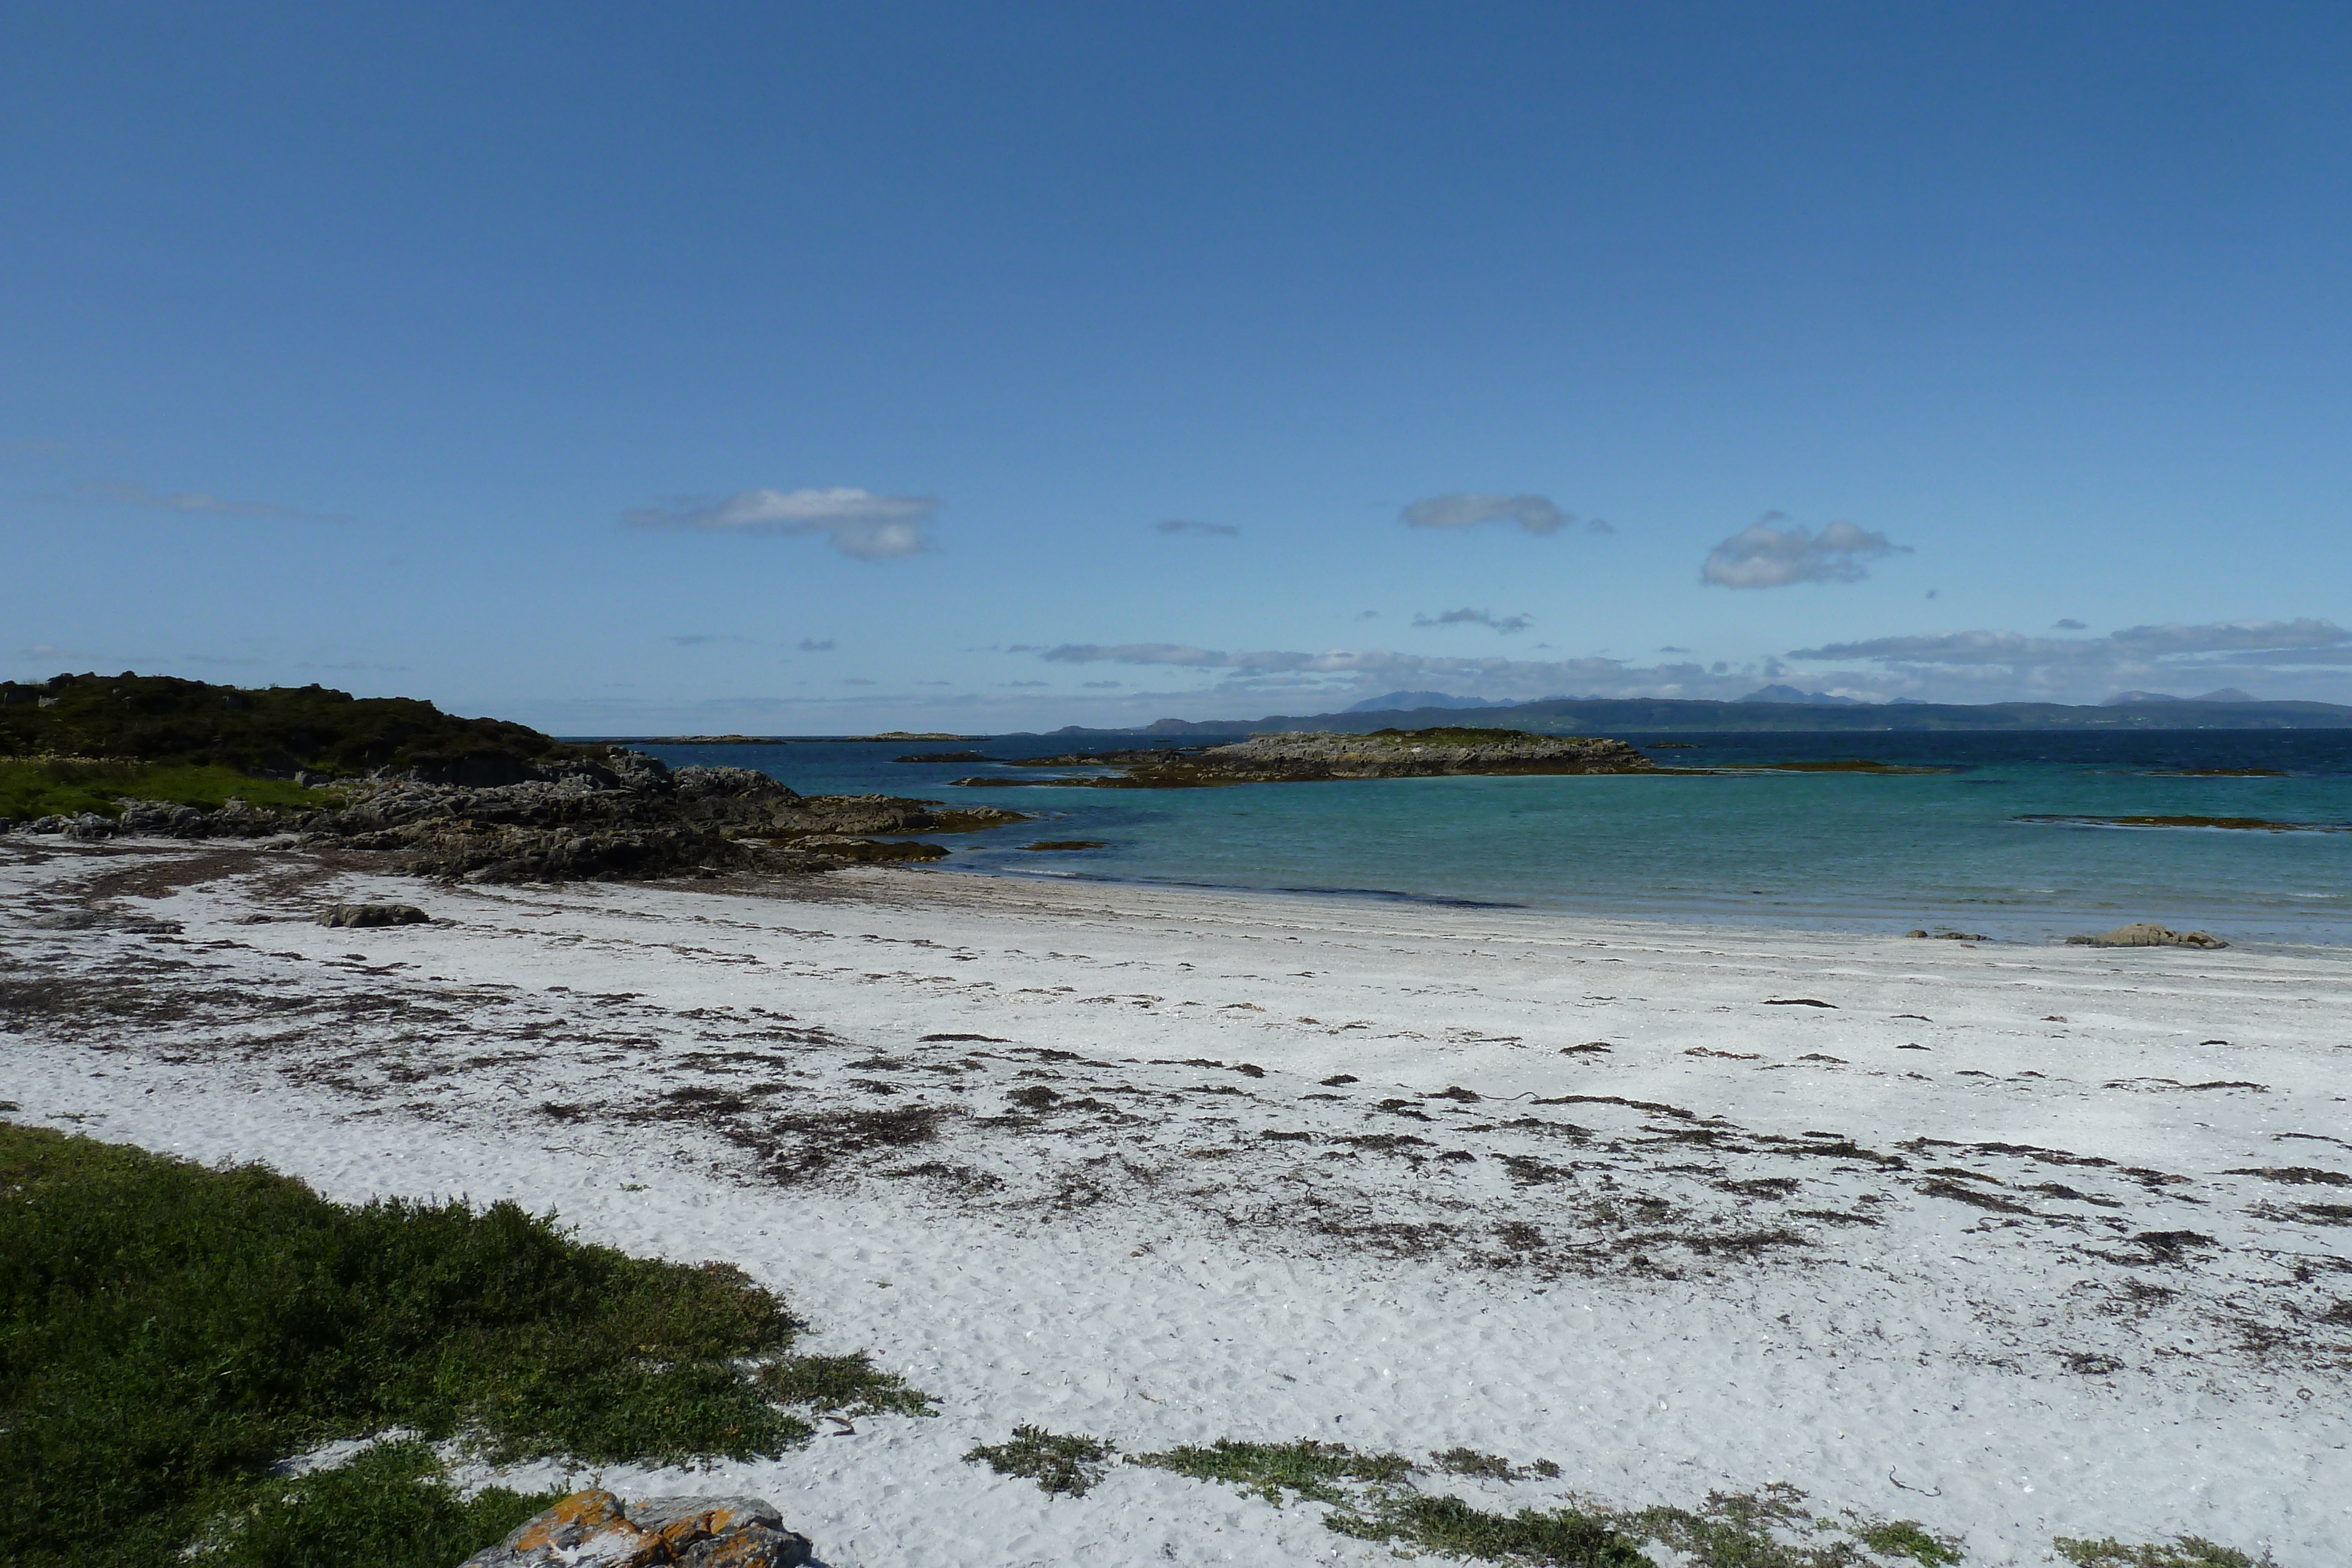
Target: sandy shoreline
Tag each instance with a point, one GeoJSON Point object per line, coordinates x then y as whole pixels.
{"type": "Point", "coordinates": [1592, 1195]}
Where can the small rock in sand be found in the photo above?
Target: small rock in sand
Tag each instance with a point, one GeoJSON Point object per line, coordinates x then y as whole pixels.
{"type": "Point", "coordinates": [593, 1530]}
{"type": "Point", "coordinates": [2146, 933]}
{"type": "Point", "coordinates": [373, 914]}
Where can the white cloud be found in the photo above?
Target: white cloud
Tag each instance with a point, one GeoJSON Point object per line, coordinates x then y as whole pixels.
{"type": "Point", "coordinates": [855, 522]}
{"type": "Point", "coordinates": [1179, 526]}
{"type": "Point", "coordinates": [1762, 556]}
{"type": "Point", "coordinates": [1488, 618]}
{"type": "Point", "coordinates": [1468, 509]}
{"type": "Point", "coordinates": [198, 502]}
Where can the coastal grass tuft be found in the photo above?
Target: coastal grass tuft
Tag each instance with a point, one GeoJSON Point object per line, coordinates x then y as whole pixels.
{"type": "Point", "coordinates": [2181, 1551]}
{"type": "Point", "coordinates": [1559, 1538]}
{"type": "Point", "coordinates": [841, 1386]}
{"type": "Point", "coordinates": [38, 787]}
{"type": "Point", "coordinates": [1305, 1470]}
{"type": "Point", "coordinates": [1058, 1462]}
{"type": "Point", "coordinates": [169, 1331]}
{"type": "Point", "coordinates": [391, 1504]}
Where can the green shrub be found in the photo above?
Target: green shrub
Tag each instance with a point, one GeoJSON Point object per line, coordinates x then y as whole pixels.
{"type": "Point", "coordinates": [168, 1331]}
{"type": "Point", "coordinates": [1055, 1461]}
{"type": "Point", "coordinates": [390, 1505]}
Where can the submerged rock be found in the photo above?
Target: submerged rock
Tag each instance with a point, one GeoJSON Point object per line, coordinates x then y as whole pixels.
{"type": "Point", "coordinates": [594, 1530]}
{"type": "Point", "coordinates": [2146, 933]}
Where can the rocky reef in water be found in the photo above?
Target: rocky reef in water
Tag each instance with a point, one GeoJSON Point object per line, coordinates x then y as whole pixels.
{"type": "Point", "coordinates": [1321, 756]}
{"type": "Point", "coordinates": [624, 816]}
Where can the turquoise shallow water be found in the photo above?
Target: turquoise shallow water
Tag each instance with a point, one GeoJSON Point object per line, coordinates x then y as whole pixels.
{"type": "Point", "coordinates": [1841, 852]}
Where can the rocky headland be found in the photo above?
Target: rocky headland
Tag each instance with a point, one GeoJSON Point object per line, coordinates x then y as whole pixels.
{"type": "Point", "coordinates": [622, 816]}
{"type": "Point", "coordinates": [1318, 757]}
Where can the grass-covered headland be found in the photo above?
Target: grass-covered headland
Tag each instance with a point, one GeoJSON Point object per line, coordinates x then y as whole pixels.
{"type": "Point", "coordinates": [272, 731]}
{"type": "Point", "coordinates": [169, 1333]}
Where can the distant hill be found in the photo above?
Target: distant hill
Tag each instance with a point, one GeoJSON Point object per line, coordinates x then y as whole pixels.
{"type": "Point", "coordinates": [1401, 702]}
{"type": "Point", "coordinates": [1802, 699]}
{"type": "Point", "coordinates": [2226, 695]}
{"type": "Point", "coordinates": [269, 731]}
{"type": "Point", "coordinates": [1643, 715]}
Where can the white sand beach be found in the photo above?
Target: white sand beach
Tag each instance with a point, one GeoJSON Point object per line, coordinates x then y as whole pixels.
{"type": "Point", "coordinates": [2016, 1241]}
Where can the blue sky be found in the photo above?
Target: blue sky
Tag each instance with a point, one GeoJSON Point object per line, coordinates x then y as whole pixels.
{"type": "Point", "coordinates": [826, 368]}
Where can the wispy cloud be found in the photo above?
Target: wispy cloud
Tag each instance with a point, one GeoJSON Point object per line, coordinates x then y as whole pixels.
{"type": "Point", "coordinates": [1468, 509]}
{"type": "Point", "coordinates": [1762, 556]}
{"type": "Point", "coordinates": [855, 522]}
{"type": "Point", "coordinates": [703, 639]}
{"type": "Point", "coordinates": [2081, 668]}
{"type": "Point", "coordinates": [1345, 672]}
{"type": "Point", "coordinates": [2068, 624]}
{"type": "Point", "coordinates": [198, 503]}
{"type": "Point", "coordinates": [816, 645]}
{"type": "Point", "coordinates": [1488, 618]}
{"type": "Point", "coordinates": [1182, 526]}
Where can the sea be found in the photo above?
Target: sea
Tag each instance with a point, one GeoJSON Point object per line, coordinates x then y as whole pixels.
{"type": "Point", "coordinates": [2007, 840]}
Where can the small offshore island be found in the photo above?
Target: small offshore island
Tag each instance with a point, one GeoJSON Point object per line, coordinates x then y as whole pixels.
{"type": "Point", "coordinates": [1318, 757]}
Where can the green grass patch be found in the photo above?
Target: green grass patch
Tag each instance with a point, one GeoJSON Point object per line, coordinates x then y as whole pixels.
{"type": "Point", "coordinates": [2181, 1551]}
{"type": "Point", "coordinates": [1559, 1538]}
{"type": "Point", "coordinates": [841, 1386]}
{"type": "Point", "coordinates": [44, 786]}
{"type": "Point", "coordinates": [391, 1504]}
{"type": "Point", "coordinates": [1371, 1497]}
{"type": "Point", "coordinates": [1056, 1461]}
{"type": "Point", "coordinates": [1307, 1470]}
{"type": "Point", "coordinates": [168, 1331]}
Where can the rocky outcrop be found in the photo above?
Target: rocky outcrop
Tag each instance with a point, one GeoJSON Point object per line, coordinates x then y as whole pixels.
{"type": "Point", "coordinates": [1317, 756]}
{"type": "Point", "coordinates": [594, 1530]}
{"type": "Point", "coordinates": [624, 816]}
{"type": "Point", "coordinates": [2146, 933]}
{"type": "Point", "coordinates": [355, 914]}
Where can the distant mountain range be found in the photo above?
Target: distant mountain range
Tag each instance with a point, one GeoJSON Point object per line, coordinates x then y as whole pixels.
{"type": "Point", "coordinates": [1406, 702]}
{"type": "Point", "coordinates": [1787, 709]}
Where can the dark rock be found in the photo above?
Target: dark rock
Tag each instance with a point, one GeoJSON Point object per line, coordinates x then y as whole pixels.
{"type": "Point", "coordinates": [373, 914]}
{"type": "Point", "coordinates": [2146, 933]}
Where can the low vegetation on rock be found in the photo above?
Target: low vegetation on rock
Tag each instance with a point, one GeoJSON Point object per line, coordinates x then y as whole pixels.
{"type": "Point", "coordinates": [1319, 757]}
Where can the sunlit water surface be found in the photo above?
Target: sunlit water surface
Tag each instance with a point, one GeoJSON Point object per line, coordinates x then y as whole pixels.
{"type": "Point", "coordinates": [1839, 850]}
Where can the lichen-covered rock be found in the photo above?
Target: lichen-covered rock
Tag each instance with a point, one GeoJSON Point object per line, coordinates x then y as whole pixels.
{"type": "Point", "coordinates": [594, 1530]}
{"type": "Point", "coordinates": [2146, 933]}
{"type": "Point", "coordinates": [350, 915]}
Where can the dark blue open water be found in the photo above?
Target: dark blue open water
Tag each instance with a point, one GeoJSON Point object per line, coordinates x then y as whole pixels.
{"type": "Point", "coordinates": [1879, 854]}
